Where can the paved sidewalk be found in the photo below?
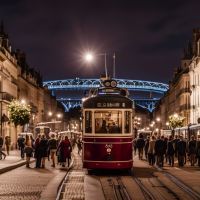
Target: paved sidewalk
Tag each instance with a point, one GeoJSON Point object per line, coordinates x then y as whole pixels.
{"type": "Point", "coordinates": [39, 184]}
{"type": "Point", "coordinates": [12, 161]}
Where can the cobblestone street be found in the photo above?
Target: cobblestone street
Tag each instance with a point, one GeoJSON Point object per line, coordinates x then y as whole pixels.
{"type": "Point", "coordinates": [26, 183]}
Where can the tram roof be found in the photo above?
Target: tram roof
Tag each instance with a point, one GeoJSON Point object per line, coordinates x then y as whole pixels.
{"type": "Point", "coordinates": [108, 101]}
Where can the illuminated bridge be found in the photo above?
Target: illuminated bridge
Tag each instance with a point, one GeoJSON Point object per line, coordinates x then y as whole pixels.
{"type": "Point", "coordinates": [134, 86]}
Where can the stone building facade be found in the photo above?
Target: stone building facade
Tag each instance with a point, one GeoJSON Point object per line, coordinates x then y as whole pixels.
{"type": "Point", "coordinates": [8, 83]}
{"type": "Point", "coordinates": [194, 74]}
{"type": "Point", "coordinates": [19, 81]}
{"type": "Point", "coordinates": [183, 96]}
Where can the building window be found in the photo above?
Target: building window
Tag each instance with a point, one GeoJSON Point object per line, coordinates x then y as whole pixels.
{"type": "Point", "coordinates": [88, 122]}
{"type": "Point", "coordinates": [108, 121]}
{"type": "Point", "coordinates": [127, 122]}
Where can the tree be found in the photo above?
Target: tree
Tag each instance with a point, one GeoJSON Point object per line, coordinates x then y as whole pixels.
{"type": "Point", "coordinates": [19, 112]}
{"type": "Point", "coordinates": [175, 121]}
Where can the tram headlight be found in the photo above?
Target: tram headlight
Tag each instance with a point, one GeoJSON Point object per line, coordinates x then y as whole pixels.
{"type": "Point", "coordinates": [107, 83]}
{"type": "Point", "coordinates": [113, 83]}
{"type": "Point", "coordinates": [108, 150]}
{"type": "Point", "coordinates": [110, 83]}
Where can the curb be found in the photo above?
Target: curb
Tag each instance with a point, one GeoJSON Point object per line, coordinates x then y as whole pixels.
{"type": "Point", "coordinates": [53, 188]}
{"type": "Point", "coordinates": [14, 166]}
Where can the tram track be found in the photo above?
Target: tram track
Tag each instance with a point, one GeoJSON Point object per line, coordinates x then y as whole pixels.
{"type": "Point", "coordinates": [165, 181]}
{"type": "Point", "coordinates": [146, 193]}
{"type": "Point", "coordinates": [120, 190]}
{"type": "Point", "coordinates": [154, 188]}
{"type": "Point", "coordinates": [193, 194]}
{"type": "Point", "coordinates": [114, 188]}
{"type": "Point", "coordinates": [185, 188]}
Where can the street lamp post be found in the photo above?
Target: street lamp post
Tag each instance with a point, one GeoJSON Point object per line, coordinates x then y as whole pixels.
{"type": "Point", "coordinates": [89, 57]}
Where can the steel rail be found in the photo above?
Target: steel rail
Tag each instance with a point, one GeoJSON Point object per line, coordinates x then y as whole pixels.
{"type": "Point", "coordinates": [147, 194]}
{"type": "Point", "coordinates": [193, 194]}
{"type": "Point", "coordinates": [119, 189]}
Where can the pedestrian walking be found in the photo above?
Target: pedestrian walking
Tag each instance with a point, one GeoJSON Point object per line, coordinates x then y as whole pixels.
{"type": "Point", "coordinates": [135, 146]}
{"type": "Point", "coordinates": [52, 146]}
{"type": "Point", "coordinates": [59, 139]}
{"type": "Point", "coordinates": [170, 151]}
{"type": "Point", "coordinates": [79, 144]}
{"type": "Point", "coordinates": [1, 146]}
{"type": "Point", "coordinates": [165, 149]}
{"type": "Point", "coordinates": [140, 146]}
{"type": "Point", "coordinates": [37, 154]}
{"type": "Point", "coordinates": [28, 150]}
{"type": "Point", "coordinates": [160, 151]}
{"type": "Point", "coordinates": [21, 145]}
{"type": "Point", "coordinates": [181, 151]}
{"type": "Point", "coordinates": [151, 150]}
{"type": "Point", "coordinates": [64, 150]}
{"type": "Point", "coordinates": [43, 150]}
{"type": "Point", "coordinates": [7, 144]}
{"type": "Point", "coordinates": [198, 152]}
{"type": "Point", "coordinates": [192, 150]}
{"type": "Point", "coordinates": [146, 147]}
{"type": "Point", "coordinates": [175, 141]}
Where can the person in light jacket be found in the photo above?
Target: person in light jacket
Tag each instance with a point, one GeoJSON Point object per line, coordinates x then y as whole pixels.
{"type": "Point", "coordinates": [151, 150]}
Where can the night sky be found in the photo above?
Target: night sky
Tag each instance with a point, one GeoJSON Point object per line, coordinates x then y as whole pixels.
{"type": "Point", "coordinates": [147, 37]}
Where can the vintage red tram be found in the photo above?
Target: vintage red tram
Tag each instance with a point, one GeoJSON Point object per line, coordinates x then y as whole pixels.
{"type": "Point", "coordinates": [107, 128]}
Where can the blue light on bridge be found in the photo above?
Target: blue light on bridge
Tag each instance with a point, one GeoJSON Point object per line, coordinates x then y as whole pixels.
{"type": "Point", "coordinates": [86, 84]}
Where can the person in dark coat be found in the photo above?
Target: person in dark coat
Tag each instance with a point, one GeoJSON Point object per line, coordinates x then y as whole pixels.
{"type": "Point", "coordinates": [160, 150]}
{"type": "Point", "coordinates": [165, 148]}
{"type": "Point", "coordinates": [175, 141]}
{"type": "Point", "coordinates": [181, 150]}
{"type": "Point", "coordinates": [43, 149]}
{"type": "Point", "coordinates": [146, 147]}
{"type": "Point", "coordinates": [140, 146]}
{"type": "Point", "coordinates": [64, 150]}
{"type": "Point", "coordinates": [192, 150]}
{"type": "Point", "coordinates": [198, 152]}
{"type": "Point", "coordinates": [7, 144]}
{"type": "Point", "coordinates": [21, 145]}
{"type": "Point", "coordinates": [79, 144]}
{"type": "Point", "coordinates": [37, 155]}
{"type": "Point", "coordinates": [1, 145]}
{"type": "Point", "coordinates": [135, 146]}
{"type": "Point", "coordinates": [151, 150]}
{"type": "Point", "coordinates": [170, 151]}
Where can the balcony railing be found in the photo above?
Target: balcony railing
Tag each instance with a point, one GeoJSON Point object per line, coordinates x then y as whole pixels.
{"type": "Point", "coordinates": [4, 96]}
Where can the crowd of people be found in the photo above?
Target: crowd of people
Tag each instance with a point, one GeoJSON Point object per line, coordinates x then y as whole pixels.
{"type": "Point", "coordinates": [159, 150]}
{"type": "Point", "coordinates": [55, 148]}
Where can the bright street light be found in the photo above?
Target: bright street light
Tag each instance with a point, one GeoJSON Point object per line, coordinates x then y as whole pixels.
{"type": "Point", "coordinates": [50, 113]}
{"type": "Point", "coordinates": [158, 119]}
{"type": "Point", "coordinates": [23, 101]}
{"type": "Point", "coordinates": [89, 57]}
{"type": "Point", "coordinates": [59, 115]}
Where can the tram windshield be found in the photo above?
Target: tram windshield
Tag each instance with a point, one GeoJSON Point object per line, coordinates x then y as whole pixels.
{"type": "Point", "coordinates": [108, 121]}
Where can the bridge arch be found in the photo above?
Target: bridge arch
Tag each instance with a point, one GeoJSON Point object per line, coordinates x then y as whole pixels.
{"type": "Point", "coordinates": [86, 84]}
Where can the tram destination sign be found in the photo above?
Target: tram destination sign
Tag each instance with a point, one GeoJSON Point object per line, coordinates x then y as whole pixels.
{"type": "Point", "coordinates": [111, 105]}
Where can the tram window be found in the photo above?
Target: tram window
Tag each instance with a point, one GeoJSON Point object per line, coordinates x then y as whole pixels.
{"type": "Point", "coordinates": [108, 121]}
{"type": "Point", "coordinates": [88, 122]}
{"type": "Point", "coordinates": [127, 122]}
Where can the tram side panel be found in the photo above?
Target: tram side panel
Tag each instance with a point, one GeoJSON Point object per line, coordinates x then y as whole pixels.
{"type": "Point", "coordinates": [107, 153]}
